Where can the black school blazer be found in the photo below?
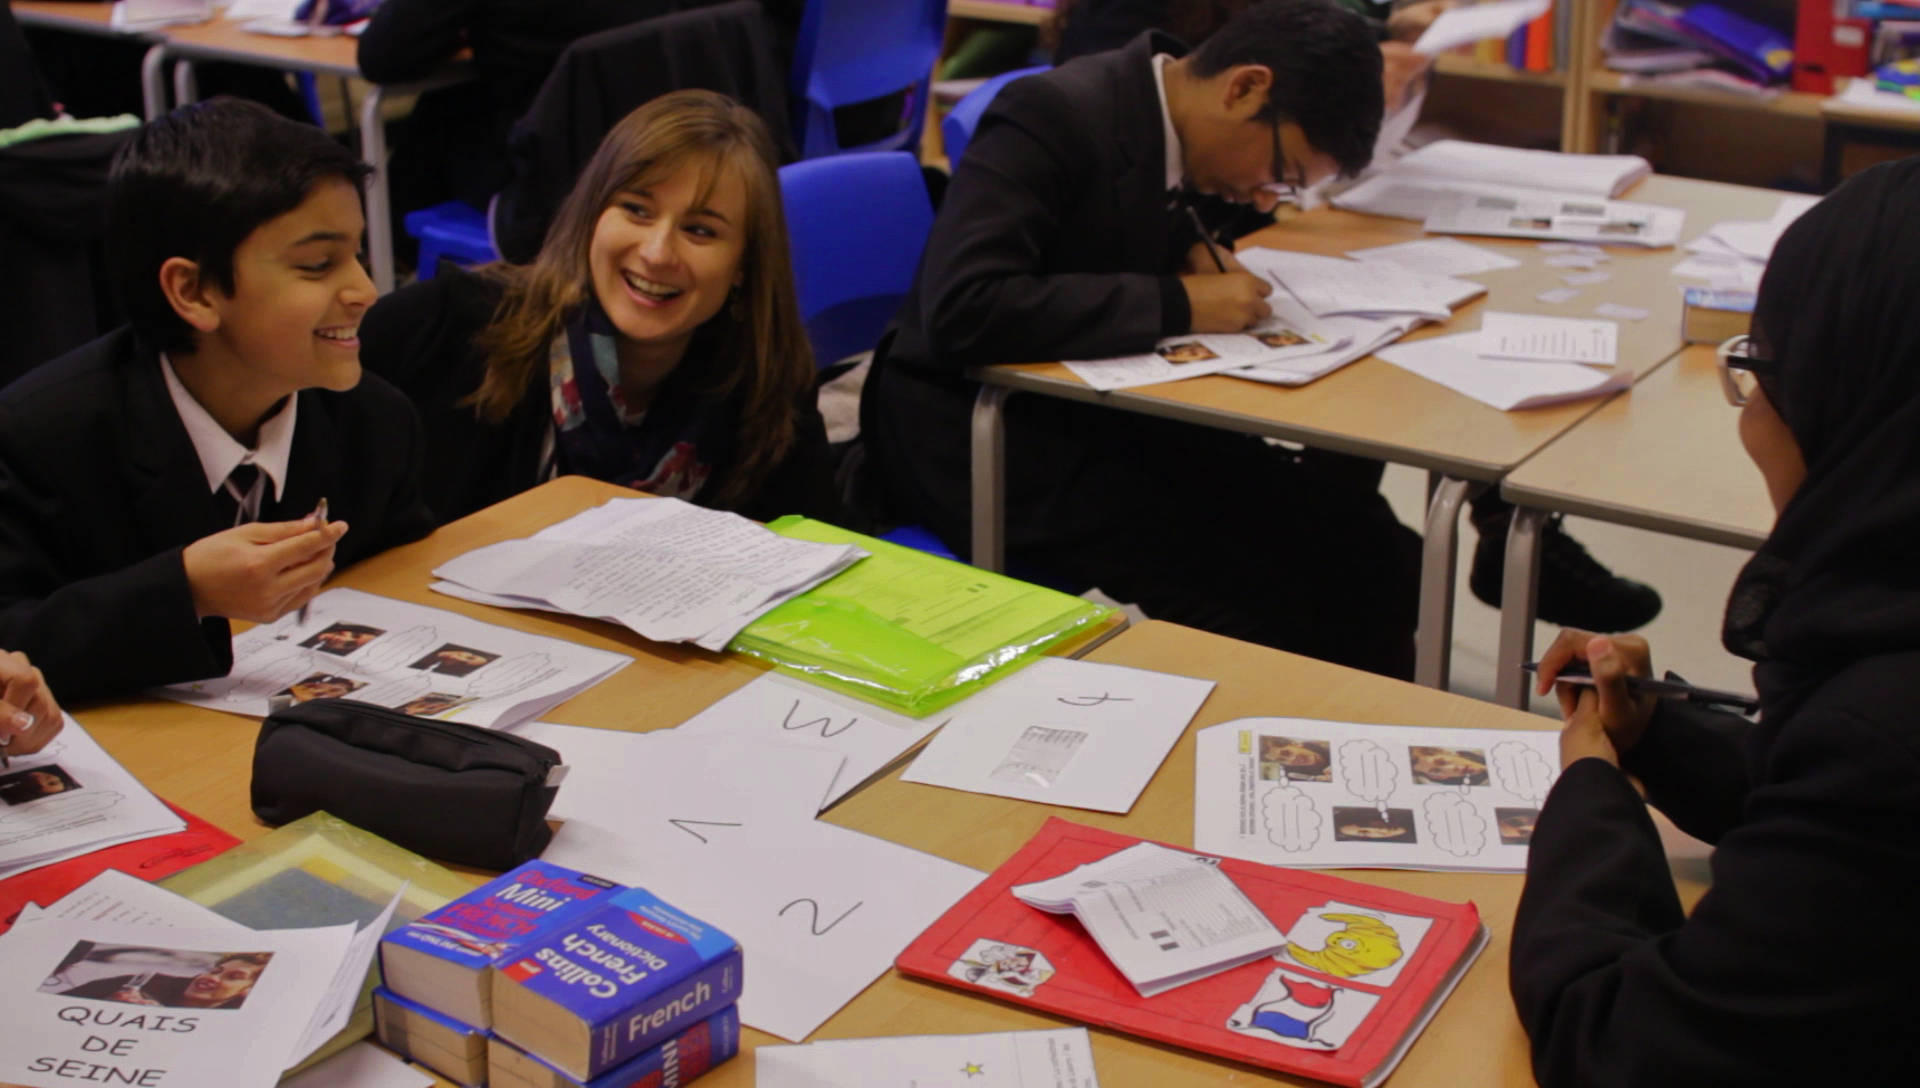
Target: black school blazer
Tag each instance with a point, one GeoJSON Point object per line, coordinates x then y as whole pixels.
{"type": "Point", "coordinates": [101, 490]}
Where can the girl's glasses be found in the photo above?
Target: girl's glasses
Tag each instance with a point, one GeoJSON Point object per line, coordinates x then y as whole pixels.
{"type": "Point", "coordinates": [1741, 368]}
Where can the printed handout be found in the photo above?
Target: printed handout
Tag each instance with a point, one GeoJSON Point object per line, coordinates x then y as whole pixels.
{"type": "Point", "coordinates": [1548, 339]}
{"type": "Point", "coordinates": [89, 1001]}
{"type": "Point", "coordinates": [1012, 1059]}
{"type": "Point", "coordinates": [669, 570]}
{"type": "Point", "coordinates": [1509, 385]}
{"type": "Point", "coordinates": [72, 798]}
{"type": "Point", "coordinates": [1321, 794]}
{"type": "Point", "coordinates": [1511, 214]}
{"type": "Point", "coordinates": [1446, 257]}
{"type": "Point", "coordinates": [1163, 917]}
{"type": "Point", "coordinates": [419, 660]}
{"type": "Point", "coordinates": [786, 711]}
{"type": "Point", "coordinates": [1064, 732]}
{"type": "Point", "coordinates": [722, 827]}
{"type": "Point", "coordinates": [1364, 336]}
{"type": "Point", "coordinates": [1198, 354]}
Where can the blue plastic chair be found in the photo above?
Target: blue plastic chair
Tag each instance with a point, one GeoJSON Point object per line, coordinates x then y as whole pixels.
{"type": "Point", "coordinates": [957, 130]}
{"type": "Point", "coordinates": [852, 51]}
{"type": "Point", "coordinates": [452, 231]}
{"type": "Point", "coordinates": [858, 223]}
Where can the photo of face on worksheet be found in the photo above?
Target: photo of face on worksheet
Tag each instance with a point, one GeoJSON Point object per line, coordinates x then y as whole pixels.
{"type": "Point", "coordinates": [1288, 791]}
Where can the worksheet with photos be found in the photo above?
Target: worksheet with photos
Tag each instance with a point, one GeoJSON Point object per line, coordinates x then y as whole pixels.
{"type": "Point", "coordinates": [418, 660]}
{"type": "Point", "coordinates": [1321, 794]}
{"type": "Point", "coordinates": [1506, 214]}
{"type": "Point", "coordinates": [72, 798]}
{"type": "Point", "coordinates": [1276, 339]}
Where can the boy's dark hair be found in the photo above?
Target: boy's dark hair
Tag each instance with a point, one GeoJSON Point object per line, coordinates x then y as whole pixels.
{"type": "Point", "coordinates": [1326, 72]}
{"type": "Point", "coordinates": [195, 183]}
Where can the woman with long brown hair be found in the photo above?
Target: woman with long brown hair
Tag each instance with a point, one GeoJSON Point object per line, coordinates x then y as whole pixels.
{"type": "Point", "coordinates": [655, 342]}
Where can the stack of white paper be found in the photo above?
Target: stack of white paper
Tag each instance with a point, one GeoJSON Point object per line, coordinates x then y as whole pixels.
{"type": "Point", "coordinates": [1441, 257]}
{"type": "Point", "coordinates": [1163, 917]}
{"type": "Point", "coordinates": [1280, 338]}
{"type": "Point", "coordinates": [722, 826]}
{"type": "Point", "coordinates": [1335, 286]}
{"type": "Point", "coordinates": [1478, 22]}
{"type": "Point", "coordinates": [424, 661]}
{"type": "Point", "coordinates": [1423, 180]}
{"type": "Point", "coordinates": [1455, 362]}
{"type": "Point", "coordinates": [1298, 792]}
{"type": "Point", "coordinates": [72, 798]}
{"type": "Point", "coordinates": [1061, 732]}
{"type": "Point", "coordinates": [1008, 1059]}
{"type": "Point", "coordinates": [1733, 254]}
{"type": "Point", "coordinates": [667, 569]}
{"type": "Point", "coordinates": [121, 980]}
{"type": "Point", "coordinates": [1364, 336]}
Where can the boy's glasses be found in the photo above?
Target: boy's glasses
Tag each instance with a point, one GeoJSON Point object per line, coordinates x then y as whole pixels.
{"type": "Point", "coordinates": [1741, 368]}
{"type": "Point", "coordinates": [1283, 188]}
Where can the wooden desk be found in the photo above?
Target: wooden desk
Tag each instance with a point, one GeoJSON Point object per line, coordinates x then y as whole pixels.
{"type": "Point", "coordinates": [1374, 409]}
{"type": "Point", "coordinates": [1667, 459]}
{"type": "Point", "coordinates": [73, 16]}
{"type": "Point", "coordinates": [223, 40]}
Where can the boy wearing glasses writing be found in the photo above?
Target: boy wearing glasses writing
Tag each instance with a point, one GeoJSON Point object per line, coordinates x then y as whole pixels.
{"type": "Point", "coordinates": [1065, 235]}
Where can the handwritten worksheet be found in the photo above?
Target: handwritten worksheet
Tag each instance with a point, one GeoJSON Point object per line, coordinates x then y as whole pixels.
{"type": "Point", "coordinates": [1320, 794]}
{"type": "Point", "coordinates": [1535, 338]}
{"type": "Point", "coordinates": [422, 661]}
{"type": "Point", "coordinates": [722, 827]}
{"type": "Point", "coordinates": [1064, 732]}
{"type": "Point", "coordinates": [1507, 384]}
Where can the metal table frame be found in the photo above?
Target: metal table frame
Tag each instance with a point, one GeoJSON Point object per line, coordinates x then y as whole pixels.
{"type": "Point", "coordinates": [1450, 484]}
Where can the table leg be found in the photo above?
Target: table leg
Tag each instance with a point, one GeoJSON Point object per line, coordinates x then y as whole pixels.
{"type": "Point", "coordinates": [373, 152]}
{"type": "Point", "coordinates": [1433, 644]}
{"type": "Point", "coordinates": [1519, 597]}
{"type": "Point", "coordinates": [153, 80]}
{"type": "Point", "coordinates": [990, 478]}
{"type": "Point", "coordinates": [185, 87]}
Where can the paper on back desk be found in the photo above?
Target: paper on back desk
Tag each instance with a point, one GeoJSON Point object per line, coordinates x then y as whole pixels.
{"type": "Point", "coordinates": [722, 827]}
{"type": "Point", "coordinates": [1505, 384]}
{"type": "Point", "coordinates": [1064, 732]}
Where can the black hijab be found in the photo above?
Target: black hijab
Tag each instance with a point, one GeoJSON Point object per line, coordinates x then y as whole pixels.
{"type": "Point", "coordinates": [1839, 313]}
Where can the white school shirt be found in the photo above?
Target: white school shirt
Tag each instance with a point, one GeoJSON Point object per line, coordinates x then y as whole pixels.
{"type": "Point", "coordinates": [1176, 155]}
{"type": "Point", "coordinates": [220, 453]}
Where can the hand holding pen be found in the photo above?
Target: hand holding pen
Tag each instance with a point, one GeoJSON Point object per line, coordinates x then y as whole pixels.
{"type": "Point", "coordinates": [319, 520]}
{"type": "Point", "coordinates": [1231, 299]}
{"type": "Point", "coordinates": [29, 717]}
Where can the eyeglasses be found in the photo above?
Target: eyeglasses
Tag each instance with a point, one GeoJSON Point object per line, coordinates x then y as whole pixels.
{"type": "Point", "coordinates": [1282, 188]}
{"type": "Point", "coordinates": [1741, 368]}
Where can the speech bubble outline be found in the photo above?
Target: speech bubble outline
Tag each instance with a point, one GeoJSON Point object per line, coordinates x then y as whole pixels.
{"type": "Point", "coordinates": [1521, 771]}
{"type": "Point", "coordinates": [1368, 772]}
{"type": "Point", "coordinates": [1292, 822]}
{"type": "Point", "coordinates": [1454, 824]}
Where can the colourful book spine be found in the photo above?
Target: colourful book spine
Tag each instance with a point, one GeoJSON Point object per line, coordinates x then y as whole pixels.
{"type": "Point", "coordinates": [1540, 43]}
{"type": "Point", "coordinates": [635, 972]}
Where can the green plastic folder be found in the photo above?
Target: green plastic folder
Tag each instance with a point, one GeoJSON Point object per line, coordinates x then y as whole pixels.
{"type": "Point", "coordinates": [907, 629]}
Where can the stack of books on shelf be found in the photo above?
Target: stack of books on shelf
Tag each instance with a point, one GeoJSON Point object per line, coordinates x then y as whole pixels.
{"type": "Point", "coordinates": [1540, 46]}
{"type": "Point", "coordinates": [1726, 45]}
{"type": "Point", "coordinates": [551, 978]}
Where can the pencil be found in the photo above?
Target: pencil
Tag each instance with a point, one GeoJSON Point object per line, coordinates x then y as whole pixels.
{"type": "Point", "coordinates": [1213, 247]}
{"type": "Point", "coordinates": [1670, 688]}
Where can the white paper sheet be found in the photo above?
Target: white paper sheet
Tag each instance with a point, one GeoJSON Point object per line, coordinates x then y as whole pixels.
{"type": "Point", "coordinates": [1516, 214]}
{"type": "Point", "coordinates": [1460, 26]}
{"type": "Point", "coordinates": [1453, 361]}
{"type": "Point", "coordinates": [72, 798]}
{"type": "Point", "coordinates": [119, 899]}
{"type": "Point", "coordinates": [1585, 279]}
{"type": "Point", "coordinates": [55, 1033]}
{"type": "Point", "coordinates": [1331, 286]}
{"type": "Point", "coordinates": [669, 570]}
{"type": "Point", "coordinates": [1364, 336]}
{"type": "Point", "coordinates": [361, 1065]}
{"type": "Point", "coordinates": [1009, 1059]}
{"type": "Point", "coordinates": [1621, 313]}
{"type": "Point", "coordinates": [1163, 917]}
{"type": "Point", "coordinates": [1534, 338]}
{"type": "Point", "coordinates": [1196, 355]}
{"type": "Point", "coordinates": [1062, 732]}
{"type": "Point", "coordinates": [1438, 257]}
{"type": "Point", "coordinates": [425, 661]}
{"type": "Point", "coordinates": [721, 826]}
{"type": "Point", "coordinates": [1320, 794]}
{"type": "Point", "coordinates": [1558, 295]}
{"type": "Point", "coordinates": [343, 991]}
{"type": "Point", "coordinates": [787, 711]}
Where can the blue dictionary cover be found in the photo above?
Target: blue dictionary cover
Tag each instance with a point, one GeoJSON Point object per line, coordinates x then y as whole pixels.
{"type": "Point", "coordinates": [494, 921]}
{"type": "Point", "coordinates": [635, 972]}
{"type": "Point", "coordinates": [674, 1062]}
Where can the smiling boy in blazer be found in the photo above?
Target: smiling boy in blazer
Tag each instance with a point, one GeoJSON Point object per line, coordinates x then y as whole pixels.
{"type": "Point", "coordinates": [161, 480]}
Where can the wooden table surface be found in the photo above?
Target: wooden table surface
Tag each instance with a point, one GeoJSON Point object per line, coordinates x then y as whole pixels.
{"type": "Point", "coordinates": [82, 16]}
{"type": "Point", "coordinates": [199, 759]}
{"type": "Point", "coordinates": [1376, 409]}
{"type": "Point", "coordinates": [1667, 459]}
{"type": "Point", "coordinates": [221, 39]}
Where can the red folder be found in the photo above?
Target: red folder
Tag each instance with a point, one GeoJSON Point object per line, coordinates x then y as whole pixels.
{"type": "Point", "coordinates": [993, 944]}
{"type": "Point", "coordinates": [1813, 47]}
{"type": "Point", "coordinates": [148, 859]}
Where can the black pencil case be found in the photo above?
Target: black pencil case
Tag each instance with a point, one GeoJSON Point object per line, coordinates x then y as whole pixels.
{"type": "Point", "coordinates": [454, 792]}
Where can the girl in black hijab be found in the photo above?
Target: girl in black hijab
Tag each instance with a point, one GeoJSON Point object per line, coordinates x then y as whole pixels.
{"type": "Point", "coordinates": [1801, 965]}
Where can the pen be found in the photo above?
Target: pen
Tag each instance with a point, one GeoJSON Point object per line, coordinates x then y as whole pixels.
{"type": "Point", "coordinates": [1671, 688]}
{"type": "Point", "coordinates": [319, 515]}
{"type": "Point", "coordinates": [1213, 247]}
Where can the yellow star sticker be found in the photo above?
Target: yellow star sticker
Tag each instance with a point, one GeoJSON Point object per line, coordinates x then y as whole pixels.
{"type": "Point", "coordinates": [973, 1069]}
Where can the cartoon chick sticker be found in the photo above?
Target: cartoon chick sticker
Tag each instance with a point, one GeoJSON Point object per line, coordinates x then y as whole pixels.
{"type": "Point", "coordinates": [1365, 944]}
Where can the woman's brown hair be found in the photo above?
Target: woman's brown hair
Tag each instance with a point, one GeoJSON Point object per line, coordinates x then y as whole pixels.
{"type": "Point", "coordinates": [762, 356]}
